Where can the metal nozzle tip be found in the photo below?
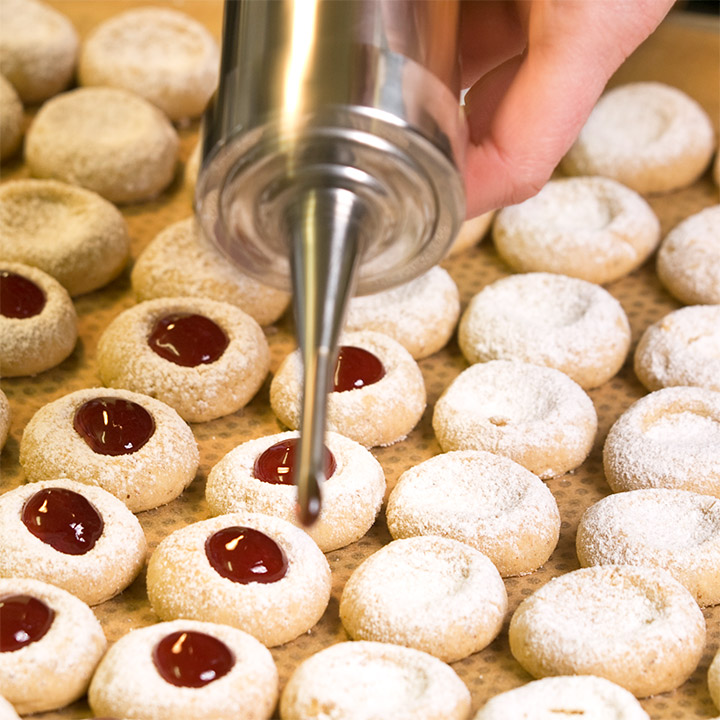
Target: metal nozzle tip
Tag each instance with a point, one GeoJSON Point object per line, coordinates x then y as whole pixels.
{"type": "Point", "coordinates": [308, 507]}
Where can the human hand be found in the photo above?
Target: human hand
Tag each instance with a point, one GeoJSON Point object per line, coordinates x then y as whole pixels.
{"type": "Point", "coordinates": [535, 69]}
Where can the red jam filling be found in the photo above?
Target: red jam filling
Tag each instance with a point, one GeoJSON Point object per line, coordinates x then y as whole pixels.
{"type": "Point", "coordinates": [113, 426]}
{"type": "Point", "coordinates": [23, 620]}
{"type": "Point", "coordinates": [19, 296]}
{"type": "Point", "coordinates": [356, 368]}
{"type": "Point", "coordinates": [277, 464]}
{"type": "Point", "coordinates": [245, 555]}
{"type": "Point", "coordinates": [188, 340]}
{"type": "Point", "coordinates": [63, 519]}
{"type": "Point", "coordinates": [192, 659]}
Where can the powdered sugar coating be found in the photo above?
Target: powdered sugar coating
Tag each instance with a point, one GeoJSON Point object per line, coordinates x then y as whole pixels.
{"type": "Point", "coordinates": [421, 314]}
{"type": "Point", "coordinates": [683, 348]}
{"type": "Point", "coordinates": [127, 683]}
{"type": "Point", "coordinates": [95, 576]}
{"type": "Point", "coordinates": [714, 680]}
{"type": "Point", "coordinates": [181, 583]}
{"type": "Point", "coordinates": [635, 626]}
{"type": "Point", "coordinates": [534, 415]}
{"type": "Point", "coordinates": [105, 139]}
{"type": "Point", "coordinates": [688, 262]}
{"type": "Point", "coordinates": [199, 393]}
{"type": "Point", "coordinates": [364, 680]}
{"type": "Point", "coordinates": [379, 414]}
{"type": "Point", "coordinates": [71, 233]}
{"type": "Point", "coordinates": [429, 593]}
{"type": "Point", "coordinates": [38, 49]}
{"type": "Point", "coordinates": [56, 669]}
{"type": "Point", "coordinates": [351, 497]}
{"type": "Point", "coordinates": [667, 439]}
{"type": "Point", "coordinates": [153, 475]}
{"type": "Point", "coordinates": [11, 119]}
{"type": "Point", "coordinates": [181, 261]}
{"type": "Point", "coordinates": [561, 322]}
{"type": "Point", "coordinates": [592, 698]}
{"type": "Point", "coordinates": [34, 344]}
{"type": "Point", "coordinates": [676, 530]}
{"type": "Point", "coordinates": [650, 136]}
{"type": "Point", "coordinates": [592, 228]}
{"type": "Point", "coordinates": [485, 500]}
{"type": "Point", "coordinates": [162, 54]}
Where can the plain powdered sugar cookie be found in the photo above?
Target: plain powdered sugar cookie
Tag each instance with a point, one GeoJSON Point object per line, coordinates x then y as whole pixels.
{"type": "Point", "coordinates": [161, 54]}
{"type": "Point", "coordinates": [38, 322]}
{"type": "Point", "coordinates": [485, 500]}
{"type": "Point", "coordinates": [135, 447]}
{"type": "Point", "coordinates": [429, 593]}
{"type": "Point", "coordinates": [11, 119]}
{"type": "Point", "coordinates": [107, 140]}
{"type": "Point", "coordinates": [683, 348]}
{"type": "Point", "coordinates": [534, 415]}
{"type": "Point", "coordinates": [688, 261]}
{"type": "Point", "coordinates": [586, 696]}
{"type": "Point", "coordinates": [592, 228]}
{"type": "Point", "coordinates": [257, 476]}
{"type": "Point", "coordinates": [367, 680]}
{"type": "Point", "coordinates": [667, 439]}
{"type": "Point", "coordinates": [72, 234]}
{"type": "Point", "coordinates": [714, 680]}
{"type": "Point", "coordinates": [635, 626]}
{"type": "Point", "coordinates": [421, 314]}
{"type": "Point", "coordinates": [204, 358]}
{"type": "Point", "coordinates": [649, 136]}
{"type": "Point", "coordinates": [181, 261]}
{"type": "Point", "coordinates": [561, 322]}
{"type": "Point", "coordinates": [38, 49]}
{"type": "Point", "coordinates": [676, 530]}
{"type": "Point", "coordinates": [254, 572]}
{"type": "Point", "coordinates": [378, 395]}
{"type": "Point", "coordinates": [186, 669]}
{"type": "Point", "coordinates": [51, 645]}
{"type": "Point", "coordinates": [78, 537]}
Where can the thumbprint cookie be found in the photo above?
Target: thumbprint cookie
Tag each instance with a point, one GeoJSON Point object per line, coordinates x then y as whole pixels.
{"type": "Point", "coordinates": [50, 645]}
{"type": "Point", "coordinates": [429, 593]}
{"type": "Point", "coordinates": [651, 137]}
{"type": "Point", "coordinates": [378, 393]}
{"type": "Point", "coordinates": [257, 476]}
{"type": "Point", "coordinates": [135, 447]}
{"type": "Point", "coordinates": [38, 322]}
{"type": "Point", "coordinates": [78, 537]}
{"type": "Point", "coordinates": [185, 669]}
{"type": "Point", "coordinates": [204, 358]}
{"type": "Point", "coordinates": [254, 572]}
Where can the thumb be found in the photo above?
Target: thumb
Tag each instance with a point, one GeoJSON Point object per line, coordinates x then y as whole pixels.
{"type": "Point", "coordinates": [524, 115]}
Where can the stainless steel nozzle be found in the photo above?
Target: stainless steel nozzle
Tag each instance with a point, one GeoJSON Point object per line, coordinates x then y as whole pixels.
{"type": "Point", "coordinates": [331, 157]}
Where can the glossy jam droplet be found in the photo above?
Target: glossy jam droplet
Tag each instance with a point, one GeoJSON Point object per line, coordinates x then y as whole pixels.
{"type": "Point", "coordinates": [113, 426]}
{"type": "Point", "coordinates": [23, 619]}
{"type": "Point", "coordinates": [63, 519]}
{"type": "Point", "coordinates": [19, 296]}
{"type": "Point", "coordinates": [356, 368]}
{"type": "Point", "coordinates": [187, 339]}
{"type": "Point", "coordinates": [277, 464]}
{"type": "Point", "coordinates": [192, 659]}
{"type": "Point", "coordinates": [245, 555]}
